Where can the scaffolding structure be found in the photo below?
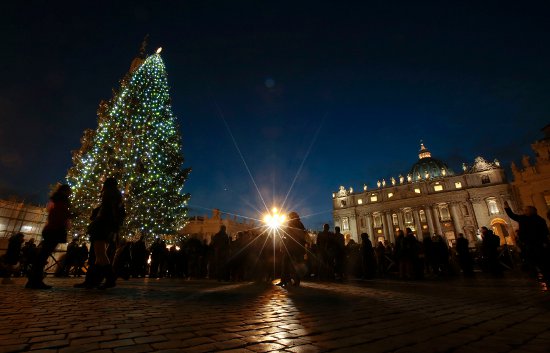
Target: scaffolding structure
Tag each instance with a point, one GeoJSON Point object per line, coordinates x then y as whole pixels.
{"type": "Point", "coordinates": [16, 216]}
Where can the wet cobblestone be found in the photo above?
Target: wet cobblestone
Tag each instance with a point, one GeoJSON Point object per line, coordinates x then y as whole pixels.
{"type": "Point", "coordinates": [170, 315]}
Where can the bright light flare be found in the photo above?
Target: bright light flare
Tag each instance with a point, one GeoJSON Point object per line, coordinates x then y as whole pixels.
{"type": "Point", "coordinates": [274, 220]}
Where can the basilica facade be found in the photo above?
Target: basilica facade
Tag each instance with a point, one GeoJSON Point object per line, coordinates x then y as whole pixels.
{"type": "Point", "coordinates": [430, 199]}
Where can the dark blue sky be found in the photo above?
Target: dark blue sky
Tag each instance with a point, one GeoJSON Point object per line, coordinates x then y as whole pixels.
{"type": "Point", "coordinates": [372, 79]}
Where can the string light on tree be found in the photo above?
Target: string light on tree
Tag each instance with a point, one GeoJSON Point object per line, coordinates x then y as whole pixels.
{"type": "Point", "coordinates": [138, 142]}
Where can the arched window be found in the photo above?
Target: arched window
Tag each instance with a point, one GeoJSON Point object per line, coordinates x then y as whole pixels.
{"type": "Point", "coordinates": [408, 217]}
{"type": "Point", "coordinates": [493, 207]}
{"type": "Point", "coordinates": [377, 221]}
{"type": "Point", "coordinates": [485, 179]}
{"type": "Point", "coordinates": [422, 215]}
{"type": "Point", "coordinates": [395, 220]}
{"type": "Point", "coordinates": [345, 223]}
{"type": "Point", "coordinates": [444, 211]}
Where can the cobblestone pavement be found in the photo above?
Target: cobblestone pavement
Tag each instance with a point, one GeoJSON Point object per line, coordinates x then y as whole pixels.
{"type": "Point", "coordinates": [142, 315]}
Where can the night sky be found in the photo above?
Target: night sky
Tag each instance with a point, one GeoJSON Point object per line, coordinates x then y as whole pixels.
{"type": "Point", "coordinates": [341, 93]}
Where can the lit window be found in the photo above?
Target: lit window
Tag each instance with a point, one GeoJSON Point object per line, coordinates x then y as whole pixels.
{"type": "Point", "coordinates": [360, 201]}
{"type": "Point", "coordinates": [26, 228]}
{"type": "Point", "coordinates": [444, 210]}
{"type": "Point", "coordinates": [422, 215]}
{"type": "Point", "coordinates": [438, 187]}
{"type": "Point", "coordinates": [458, 185]}
{"type": "Point", "coordinates": [408, 217]}
{"type": "Point", "coordinates": [493, 207]}
{"type": "Point", "coordinates": [377, 221]}
{"type": "Point", "coordinates": [374, 198]}
{"type": "Point", "coordinates": [345, 223]}
{"type": "Point", "coordinates": [343, 203]}
{"type": "Point", "coordinates": [390, 195]}
{"type": "Point", "coordinates": [379, 231]}
{"type": "Point", "coordinates": [395, 220]}
{"type": "Point", "coordinates": [417, 191]}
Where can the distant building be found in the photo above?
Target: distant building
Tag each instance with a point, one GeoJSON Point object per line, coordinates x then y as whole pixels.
{"type": "Point", "coordinates": [204, 228]}
{"type": "Point", "coordinates": [430, 199]}
{"type": "Point", "coordinates": [16, 216]}
{"type": "Point", "coordinates": [532, 182]}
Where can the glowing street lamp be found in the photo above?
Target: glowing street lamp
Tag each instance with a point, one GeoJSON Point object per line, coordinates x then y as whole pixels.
{"type": "Point", "coordinates": [274, 220]}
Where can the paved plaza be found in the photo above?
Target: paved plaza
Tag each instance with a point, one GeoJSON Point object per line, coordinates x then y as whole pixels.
{"type": "Point", "coordinates": [172, 315]}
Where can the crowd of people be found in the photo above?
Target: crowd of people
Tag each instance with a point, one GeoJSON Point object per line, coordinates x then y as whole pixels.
{"type": "Point", "coordinates": [265, 254]}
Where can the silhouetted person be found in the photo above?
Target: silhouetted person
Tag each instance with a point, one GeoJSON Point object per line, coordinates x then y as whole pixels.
{"type": "Point", "coordinates": [440, 255]}
{"type": "Point", "coordinates": [489, 250]}
{"type": "Point", "coordinates": [28, 253]}
{"type": "Point", "coordinates": [339, 246]}
{"type": "Point", "coordinates": [409, 255]}
{"type": "Point", "coordinates": [399, 252]}
{"type": "Point", "coordinates": [367, 257]}
{"type": "Point", "coordinates": [325, 268]}
{"type": "Point", "coordinates": [463, 253]}
{"type": "Point", "coordinates": [381, 262]}
{"type": "Point", "coordinates": [220, 251]}
{"type": "Point", "coordinates": [157, 251]}
{"type": "Point", "coordinates": [533, 239]}
{"type": "Point", "coordinates": [54, 232]}
{"type": "Point", "coordinates": [294, 241]}
{"type": "Point", "coordinates": [139, 255]}
{"type": "Point", "coordinates": [104, 231]}
{"type": "Point", "coordinates": [12, 256]}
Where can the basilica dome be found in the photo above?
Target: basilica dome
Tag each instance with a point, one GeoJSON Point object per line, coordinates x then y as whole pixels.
{"type": "Point", "coordinates": [428, 167]}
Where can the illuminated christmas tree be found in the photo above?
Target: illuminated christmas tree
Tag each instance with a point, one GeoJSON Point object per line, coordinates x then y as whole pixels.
{"type": "Point", "coordinates": [138, 142]}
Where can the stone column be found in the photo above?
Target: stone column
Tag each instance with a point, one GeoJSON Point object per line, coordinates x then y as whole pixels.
{"type": "Point", "coordinates": [369, 226]}
{"type": "Point", "coordinates": [457, 220]}
{"type": "Point", "coordinates": [437, 222]}
{"type": "Point", "coordinates": [429, 218]}
{"type": "Point", "coordinates": [353, 228]}
{"type": "Point", "coordinates": [385, 226]}
{"type": "Point", "coordinates": [401, 221]}
{"type": "Point", "coordinates": [389, 220]}
{"type": "Point", "coordinates": [417, 224]}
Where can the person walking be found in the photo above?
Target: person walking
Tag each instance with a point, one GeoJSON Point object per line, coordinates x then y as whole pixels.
{"type": "Point", "coordinates": [54, 232]}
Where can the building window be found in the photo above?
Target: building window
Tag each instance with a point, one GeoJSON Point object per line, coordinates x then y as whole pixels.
{"type": "Point", "coordinates": [342, 203]}
{"type": "Point", "coordinates": [377, 221]}
{"type": "Point", "coordinates": [408, 217]}
{"type": "Point", "coordinates": [395, 220]}
{"type": "Point", "coordinates": [485, 179]}
{"type": "Point", "coordinates": [373, 198]}
{"type": "Point", "coordinates": [417, 190]}
{"type": "Point", "coordinates": [493, 207]}
{"type": "Point", "coordinates": [422, 215]}
{"type": "Point", "coordinates": [444, 211]}
{"type": "Point", "coordinates": [438, 187]}
{"type": "Point", "coordinates": [345, 223]}
{"type": "Point", "coordinates": [360, 201]}
{"type": "Point", "coordinates": [390, 195]}
{"type": "Point", "coordinates": [458, 185]}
